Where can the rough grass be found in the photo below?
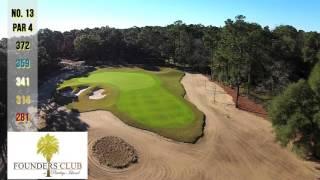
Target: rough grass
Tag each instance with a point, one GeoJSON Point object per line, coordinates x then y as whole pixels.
{"type": "Point", "coordinates": [144, 99]}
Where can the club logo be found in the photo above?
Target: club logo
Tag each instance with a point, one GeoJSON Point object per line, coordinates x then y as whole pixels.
{"type": "Point", "coordinates": [48, 146]}
{"type": "Point", "coordinates": [47, 155]}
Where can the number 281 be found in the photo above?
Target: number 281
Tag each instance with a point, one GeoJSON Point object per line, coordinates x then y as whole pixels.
{"type": "Point", "coordinates": [21, 116]}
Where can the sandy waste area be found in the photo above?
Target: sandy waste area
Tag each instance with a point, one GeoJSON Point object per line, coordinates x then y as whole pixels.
{"type": "Point", "coordinates": [236, 145]}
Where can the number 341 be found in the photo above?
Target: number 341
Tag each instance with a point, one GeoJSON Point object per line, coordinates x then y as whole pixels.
{"type": "Point", "coordinates": [23, 81]}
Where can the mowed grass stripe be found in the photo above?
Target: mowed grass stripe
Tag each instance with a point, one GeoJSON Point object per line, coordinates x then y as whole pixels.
{"type": "Point", "coordinates": [147, 100]}
{"type": "Point", "coordinates": [156, 107]}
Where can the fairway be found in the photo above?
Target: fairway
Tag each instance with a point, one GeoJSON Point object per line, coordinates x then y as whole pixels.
{"type": "Point", "coordinates": [144, 99]}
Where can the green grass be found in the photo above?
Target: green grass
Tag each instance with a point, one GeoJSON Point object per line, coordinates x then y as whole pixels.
{"type": "Point", "coordinates": [144, 99]}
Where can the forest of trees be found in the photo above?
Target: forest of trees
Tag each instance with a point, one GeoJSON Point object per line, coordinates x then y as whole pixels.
{"type": "Point", "coordinates": [238, 54]}
{"type": "Point", "coordinates": [241, 54]}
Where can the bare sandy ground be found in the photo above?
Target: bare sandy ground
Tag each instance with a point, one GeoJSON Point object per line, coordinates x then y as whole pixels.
{"type": "Point", "coordinates": [236, 145]}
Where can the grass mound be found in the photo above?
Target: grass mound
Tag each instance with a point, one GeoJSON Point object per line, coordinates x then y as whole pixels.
{"type": "Point", "coordinates": [144, 99]}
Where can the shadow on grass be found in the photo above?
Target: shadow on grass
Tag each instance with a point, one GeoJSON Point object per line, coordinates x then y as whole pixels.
{"type": "Point", "coordinates": [150, 68]}
{"type": "Point", "coordinates": [83, 74]}
{"type": "Point", "coordinates": [64, 121]}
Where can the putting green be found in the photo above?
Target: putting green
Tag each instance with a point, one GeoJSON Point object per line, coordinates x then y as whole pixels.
{"type": "Point", "coordinates": [147, 100]}
{"type": "Point", "coordinates": [125, 81]}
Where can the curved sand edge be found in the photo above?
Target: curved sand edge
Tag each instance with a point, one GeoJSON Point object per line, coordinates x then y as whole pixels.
{"type": "Point", "coordinates": [236, 144]}
{"type": "Point", "coordinates": [98, 94]}
{"type": "Point", "coordinates": [81, 91]}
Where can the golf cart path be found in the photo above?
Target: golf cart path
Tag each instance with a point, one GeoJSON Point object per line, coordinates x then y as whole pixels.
{"type": "Point", "coordinates": [236, 145]}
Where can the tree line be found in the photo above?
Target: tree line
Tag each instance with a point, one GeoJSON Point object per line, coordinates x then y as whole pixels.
{"type": "Point", "coordinates": [240, 53]}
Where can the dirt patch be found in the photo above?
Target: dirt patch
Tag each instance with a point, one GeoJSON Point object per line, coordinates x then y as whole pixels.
{"type": "Point", "coordinates": [245, 103]}
{"type": "Point", "coordinates": [114, 152]}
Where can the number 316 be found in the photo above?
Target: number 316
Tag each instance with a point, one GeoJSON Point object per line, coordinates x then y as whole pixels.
{"type": "Point", "coordinates": [22, 99]}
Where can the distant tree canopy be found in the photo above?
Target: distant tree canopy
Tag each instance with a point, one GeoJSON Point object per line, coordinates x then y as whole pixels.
{"type": "Point", "coordinates": [240, 53]}
{"type": "Point", "coordinates": [87, 46]}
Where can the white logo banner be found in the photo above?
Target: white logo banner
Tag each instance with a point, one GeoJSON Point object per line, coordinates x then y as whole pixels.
{"type": "Point", "coordinates": [47, 155]}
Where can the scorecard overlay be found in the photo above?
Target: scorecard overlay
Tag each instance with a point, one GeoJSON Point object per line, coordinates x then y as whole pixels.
{"type": "Point", "coordinates": [22, 65]}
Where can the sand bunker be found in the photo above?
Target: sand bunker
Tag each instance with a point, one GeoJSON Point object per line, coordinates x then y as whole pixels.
{"type": "Point", "coordinates": [81, 91]}
{"type": "Point", "coordinates": [98, 94]}
{"type": "Point", "coordinates": [114, 152]}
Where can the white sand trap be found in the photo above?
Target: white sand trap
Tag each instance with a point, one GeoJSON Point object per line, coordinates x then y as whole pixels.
{"type": "Point", "coordinates": [98, 94]}
{"type": "Point", "coordinates": [81, 91]}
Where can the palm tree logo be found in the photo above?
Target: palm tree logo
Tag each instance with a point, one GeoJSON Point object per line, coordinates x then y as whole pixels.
{"type": "Point", "coordinates": [47, 146]}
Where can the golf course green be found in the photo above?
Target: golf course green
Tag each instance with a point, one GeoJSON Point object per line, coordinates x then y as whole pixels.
{"type": "Point", "coordinates": [150, 100]}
